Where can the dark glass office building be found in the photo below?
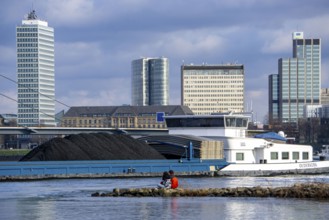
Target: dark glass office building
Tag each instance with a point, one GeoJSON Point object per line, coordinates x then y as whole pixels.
{"type": "Point", "coordinates": [150, 82]}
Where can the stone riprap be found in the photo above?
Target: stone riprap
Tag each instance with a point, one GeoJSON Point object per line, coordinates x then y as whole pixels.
{"type": "Point", "coordinates": [308, 190]}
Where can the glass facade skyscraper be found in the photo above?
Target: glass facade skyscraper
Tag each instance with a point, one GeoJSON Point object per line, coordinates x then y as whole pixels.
{"type": "Point", "coordinates": [150, 81]}
{"type": "Point", "coordinates": [293, 89]}
{"type": "Point", "coordinates": [297, 82]}
{"type": "Point", "coordinates": [274, 96]}
{"type": "Point", "coordinates": [35, 72]}
{"type": "Point", "coordinates": [310, 51]}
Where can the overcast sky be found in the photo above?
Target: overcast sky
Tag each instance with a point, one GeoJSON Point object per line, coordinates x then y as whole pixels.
{"type": "Point", "coordinates": [96, 40]}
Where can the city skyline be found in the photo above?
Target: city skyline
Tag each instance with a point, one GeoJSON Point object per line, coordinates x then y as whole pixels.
{"type": "Point", "coordinates": [96, 41]}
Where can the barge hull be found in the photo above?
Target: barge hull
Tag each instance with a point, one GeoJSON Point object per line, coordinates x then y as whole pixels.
{"type": "Point", "coordinates": [238, 170]}
{"type": "Point", "coordinates": [104, 168]}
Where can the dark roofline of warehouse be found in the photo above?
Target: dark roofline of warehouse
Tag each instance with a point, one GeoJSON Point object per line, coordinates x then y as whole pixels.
{"type": "Point", "coordinates": [110, 111]}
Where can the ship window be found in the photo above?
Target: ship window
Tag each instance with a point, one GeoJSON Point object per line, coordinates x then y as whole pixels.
{"type": "Point", "coordinates": [195, 122]}
{"type": "Point", "coordinates": [245, 123]}
{"type": "Point", "coordinates": [295, 155]}
{"type": "Point", "coordinates": [274, 155]}
{"type": "Point", "coordinates": [285, 155]}
{"type": "Point", "coordinates": [241, 122]}
{"type": "Point", "coordinates": [230, 122]}
{"type": "Point", "coordinates": [239, 156]}
{"type": "Point", "coordinates": [305, 156]}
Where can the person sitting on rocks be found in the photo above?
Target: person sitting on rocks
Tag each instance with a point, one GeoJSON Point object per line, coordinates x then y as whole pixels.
{"type": "Point", "coordinates": [174, 180]}
{"type": "Point", "coordinates": [166, 181]}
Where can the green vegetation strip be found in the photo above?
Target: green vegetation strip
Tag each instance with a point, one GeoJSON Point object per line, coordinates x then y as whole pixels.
{"type": "Point", "coordinates": [13, 152]}
{"type": "Point", "coordinates": [308, 190]}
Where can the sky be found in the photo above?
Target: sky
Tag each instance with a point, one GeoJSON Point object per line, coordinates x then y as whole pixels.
{"type": "Point", "coordinates": [96, 40]}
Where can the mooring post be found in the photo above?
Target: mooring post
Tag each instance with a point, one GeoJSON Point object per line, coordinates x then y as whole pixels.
{"type": "Point", "coordinates": [191, 151]}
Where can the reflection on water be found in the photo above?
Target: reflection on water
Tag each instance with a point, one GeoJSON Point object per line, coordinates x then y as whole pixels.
{"type": "Point", "coordinates": [70, 199]}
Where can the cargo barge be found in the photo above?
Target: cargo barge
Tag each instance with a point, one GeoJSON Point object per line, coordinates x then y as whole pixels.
{"type": "Point", "coordinates": [36, 170]}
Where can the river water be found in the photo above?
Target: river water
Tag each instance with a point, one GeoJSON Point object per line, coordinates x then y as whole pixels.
{"type": "Point", "coordinates": [71, 199]}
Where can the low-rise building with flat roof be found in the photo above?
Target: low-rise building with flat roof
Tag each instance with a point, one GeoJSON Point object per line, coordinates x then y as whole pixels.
{"type": "Point", "coordinates": [121, 116]}
{"type": "Point", "coordinates": [325, 96]}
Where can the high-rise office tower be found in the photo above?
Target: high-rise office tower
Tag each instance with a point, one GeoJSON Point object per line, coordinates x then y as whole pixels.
{"type": "Point", "coordinates": [35, 72]}
{"type": "Point", "coordinates": [209, 89]}
{"type": "Point", "coordinates": [150, 81]}
{"type": "Point", "coordinates": [299, 81]}
{"type": "Point", "coordinates": [274, 110]}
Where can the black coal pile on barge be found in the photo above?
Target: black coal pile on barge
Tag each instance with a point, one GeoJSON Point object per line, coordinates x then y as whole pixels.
{"type": "Point", "coordinates": [94, 146]}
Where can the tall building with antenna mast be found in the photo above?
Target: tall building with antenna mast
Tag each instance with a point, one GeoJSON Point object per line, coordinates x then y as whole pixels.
{"type": "Point", "coordinates": [298, 82]}
{"type": "Point", "coordinates": [35, 72]}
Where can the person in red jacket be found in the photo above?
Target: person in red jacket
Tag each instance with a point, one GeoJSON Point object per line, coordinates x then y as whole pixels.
{"type": "Point", "coordinates": [174, 180]}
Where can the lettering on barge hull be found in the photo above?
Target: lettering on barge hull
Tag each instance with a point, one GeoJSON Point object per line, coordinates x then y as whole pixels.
{"type": "Point", "coordinates": [308, 165]}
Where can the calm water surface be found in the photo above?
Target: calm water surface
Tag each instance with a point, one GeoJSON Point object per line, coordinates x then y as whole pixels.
{"type": "Point", "coordinates": [70, 199]}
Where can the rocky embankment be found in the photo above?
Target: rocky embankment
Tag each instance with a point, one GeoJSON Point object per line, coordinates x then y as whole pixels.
{"type": "Point", "coordinates": [308, 190]}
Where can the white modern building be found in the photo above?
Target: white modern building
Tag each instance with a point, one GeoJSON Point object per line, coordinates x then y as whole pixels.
{"type": "Point", "coordinates": [150, 81]}
{"type": "Point", "coordinates": [35, 72]}
{"type": "Point", "coordinates": [325, 96]}
{"type": "Point", "coordinates": [316, 111]}
{"type": "Point", "coordinates": [312, 111]}
{"type": "Point", "coordinates": [211, 89]}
